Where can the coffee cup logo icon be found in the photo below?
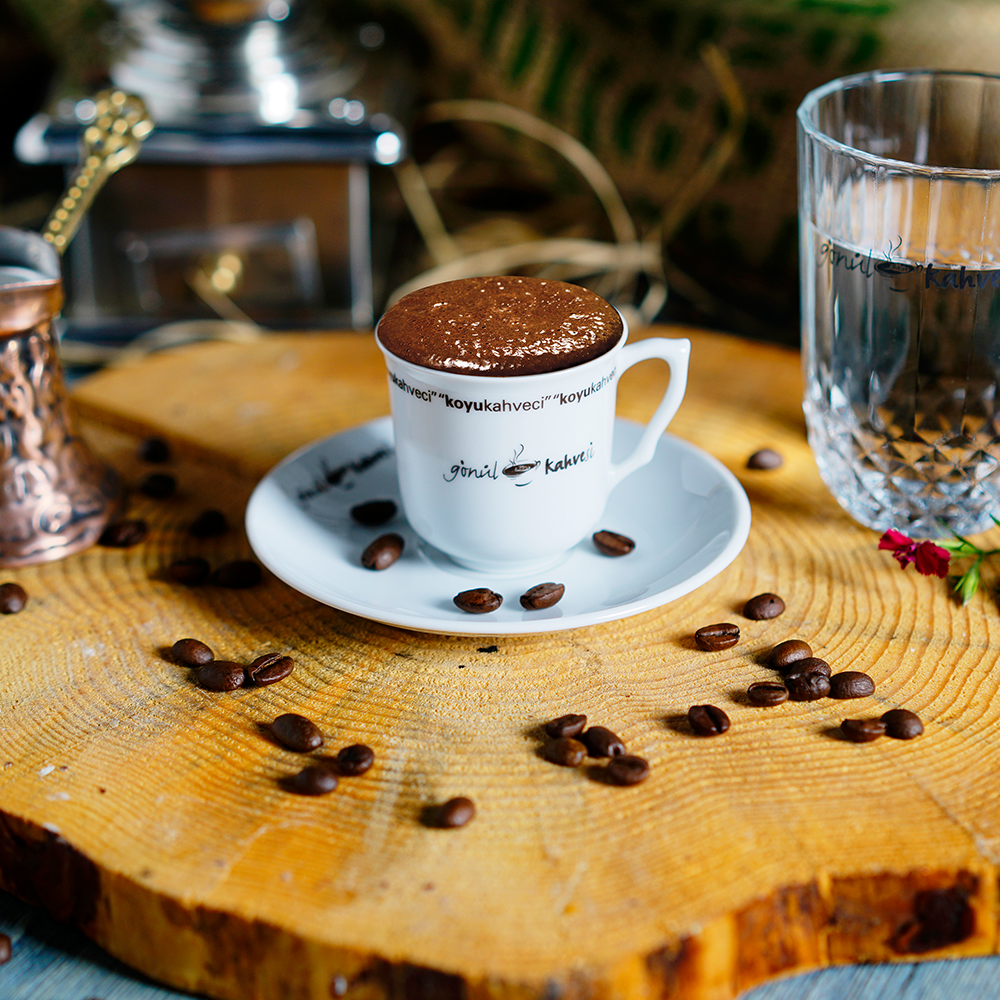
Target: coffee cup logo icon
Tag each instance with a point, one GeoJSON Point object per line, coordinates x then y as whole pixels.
{"type": "Point", "coordinates": [516, 469]}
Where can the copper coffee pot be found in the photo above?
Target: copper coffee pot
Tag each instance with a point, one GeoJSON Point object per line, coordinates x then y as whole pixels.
{"type": "Point", "coordinates": [55, 497]}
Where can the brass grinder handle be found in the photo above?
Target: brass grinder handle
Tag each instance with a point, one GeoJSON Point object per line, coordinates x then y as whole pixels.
{"type": "Point", "coordinates": [121, 123]}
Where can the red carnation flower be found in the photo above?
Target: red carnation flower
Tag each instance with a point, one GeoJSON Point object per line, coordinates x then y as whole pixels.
{"type": "Point", "coordinates": [930, 559]}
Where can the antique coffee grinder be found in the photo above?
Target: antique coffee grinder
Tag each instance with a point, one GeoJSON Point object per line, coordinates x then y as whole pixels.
{"type": "Point", "coordinates": [256, 188]}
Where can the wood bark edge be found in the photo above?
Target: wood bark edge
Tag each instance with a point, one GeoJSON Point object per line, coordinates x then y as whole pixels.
{"type": "Point", "coordinates": [835, 919]}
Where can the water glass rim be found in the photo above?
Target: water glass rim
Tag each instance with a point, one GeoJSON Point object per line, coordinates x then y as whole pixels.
{"type": "Point", "coordinates": [806, 112]}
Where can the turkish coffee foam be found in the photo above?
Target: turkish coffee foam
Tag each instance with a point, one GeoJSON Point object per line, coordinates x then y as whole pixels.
{"type": "Point", "coordinates": [500, 326]}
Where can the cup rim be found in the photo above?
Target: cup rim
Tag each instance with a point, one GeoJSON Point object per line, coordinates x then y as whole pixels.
{"type": "Point", "coordinates": [23, 248]}
{"type": "Point", "coordinates": [536, 378]}
{"type": "Point", "coordinates": [806, 110]}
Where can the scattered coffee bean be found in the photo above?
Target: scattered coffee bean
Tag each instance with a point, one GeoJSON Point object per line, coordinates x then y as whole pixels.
{"type": "Point", "coordinates": [610, 543]}
{"type": "Point", "coordinates": [809, 665]}
{"type": "Point", "coordinates": [862, 730]}
{"type": "Point", "coordinates": [192, 572]}
{"type": "Point", "coordinates": [6, 949]}
{"type": "Point", "coordinates": [192, 652]}
{"type": "Point", "coordinates": [13, 598]}
{"type": "Point", "coordinates": [788, 652]}
{"type": "Point", "coordinates": [479, 601]}
{"type": "Point", "coordinates": [383, 552]}
{"type": "Point", "coordinates": [154, 450]}
{"type": "Point", "coordinates": [316, 779]}
{"type": "Point", "coordinates": [221, 675]}
{"type": "Point", "coordinates": [238, 574]}
{"type": "Point", "coordinates": [296, 732]}
{"type": "Point", "coordinates": [807, 686]}
{"type": "Point", "coordinates": [765, 458]}
{"type": "Point", "coordinates": [601, 742]}
{"type": "Point", "coordinates": [851, 684]}
{"type": "Point", "coordinates": [374, 512]}
{"type": "Point", "coordinates": [566, 725]}
{"type": "Point", "coordinates": [627, 769]}
{"type": "Point", "coordinates": [564, 751]}
{"type": "Point", "coordinates": [123, 534]}
{"type": "Point", "coordinates": [269, 669]}
{"type": "Point", "coordinates": [158, 485]}
{"type": "Point", "coordinates": [716, 637]}
{"type": "Point", "coordinates": [767, 693]}
{"type": "Point", "coordinates": [707, 720]}
{"type": "Point", "coordinates": [543, 595]}
{"type": "Point", "coordinates": [209, 524]}
{"type": "Point", "coordinates": [354, 760]}
{"type": "Point", "coordinates": [763, 606]}
{"type": "Point", "coordinates": [456, 812]}
{"type": "Point", "coordinates": [902, 724]}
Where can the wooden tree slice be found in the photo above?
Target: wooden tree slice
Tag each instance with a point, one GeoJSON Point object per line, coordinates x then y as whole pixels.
{"type": "Point", "coordinates": [153, 813]}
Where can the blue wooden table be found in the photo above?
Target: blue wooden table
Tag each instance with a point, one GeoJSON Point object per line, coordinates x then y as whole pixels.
{"type": "Point", "coordinates": [54, 962]}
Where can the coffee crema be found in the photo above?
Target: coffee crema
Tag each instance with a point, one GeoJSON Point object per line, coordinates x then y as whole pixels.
{"type": "Point", "coordinates": [500, 326]}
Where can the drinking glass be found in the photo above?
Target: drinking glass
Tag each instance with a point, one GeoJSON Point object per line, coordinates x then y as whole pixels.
{"type": "Point", "coordinates": [899, 209]}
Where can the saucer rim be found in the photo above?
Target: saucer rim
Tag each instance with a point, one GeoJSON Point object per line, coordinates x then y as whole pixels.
{"type": "Point", "coordinates": [392, 616]}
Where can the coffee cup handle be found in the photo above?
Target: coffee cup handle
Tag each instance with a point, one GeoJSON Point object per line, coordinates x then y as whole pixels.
{"type": "Point", "coordinates": [676, 353]}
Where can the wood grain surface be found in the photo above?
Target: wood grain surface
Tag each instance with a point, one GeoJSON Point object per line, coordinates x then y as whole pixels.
{"type": "Point", "coordinates": [152, 813]}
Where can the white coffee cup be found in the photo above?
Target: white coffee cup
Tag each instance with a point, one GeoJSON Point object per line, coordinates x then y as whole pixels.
{"type": "Point", "coordinates": [506, 474]}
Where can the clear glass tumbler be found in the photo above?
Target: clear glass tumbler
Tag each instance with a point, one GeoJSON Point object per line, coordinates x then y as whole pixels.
{"type": "Point", "coordinates": [899, 206]}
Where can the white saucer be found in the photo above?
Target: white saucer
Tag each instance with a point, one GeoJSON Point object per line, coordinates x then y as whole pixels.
{"type": "Point", "coordinates": [686, 512]}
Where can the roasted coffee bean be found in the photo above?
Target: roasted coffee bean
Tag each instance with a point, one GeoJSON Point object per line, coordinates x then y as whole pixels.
{"type": "Point", "coordinates": [6, 949]}
{"type": "Point", "coordinates": [627, 769]}
{"type": "Point", "coordinates": [564, 751]}
{"type": "Point", "coordinates": [716, 637]}
{"type": "Point", "coordinates": [787, 653]}
{"type": "Point", "coordinates": [269, 669]}
{"type": "Point", "coordinates": [851, 684]}
{"type": "Point", "coordinates": [809, 665]}
{"type": "Point", "coordinates": [221, 675]}
{"type": "Point", "coordinates": [766, 458]}
{"type": "Point", "coordinates": [479, 601]}
{"type": "Point", "coordinates": [383, 552]}
{"type": "Point", "coordinates": [192, 572]}
{"type": "Point", "coordinates": [610, 543]}
{"type": "Point", "coordinates": [123, 534]}
{"type": "Point", "coordinates": [456, 812]}
{"type": "Point", "coordinates": [763, 606]}
{"type": "Point", "coordinates": [355, 759]}
{"type": "Point", "coordinates": [601, 742]}
{"type": "Point", "coordinates": [158, 485]}
{"type": "Point", "coordinates": [154, 450]}
{"type": "Point", "coordinates": [767, 693]}
{"type": "Point", "coordinates": [374, 512]}
{"type": "Point", "coordinates": [807, 686]}
{"type": "Point", "coordinates": [566, 725]}
{"type": "Point", "coordinates": [707, 720]}
{"type": "Point", "coordinates": [13, 598]}
{"type": "Point", "coordinates": [543, 595]}
{"type": "Point", "coordinates": [192, 652]}
{"type": "Point", "coordinates": [238, 574]}
{"type": "Point", "coordinates": [209, 524]}
{"type": "Point", "coordinates": [296, 732]}
{"type": "Point", "coordinates": [862, 730]}
{"type": "Point", "coordinates": [316, 779]}
{"type": "Point", "coordinates": [902, 724]}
